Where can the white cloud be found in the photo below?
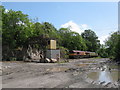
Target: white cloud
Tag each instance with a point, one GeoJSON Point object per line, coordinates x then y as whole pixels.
{"type": "Point", "coordinates": [103, 38]}
{"type": "Point", "coordinates": [80, 28]}
{"type": "Point", "coordinates": [75, 27]}
{"type": "Point", "coordinates": [84, 27]}
{"type": "Point", "coordinates": [6, 10]}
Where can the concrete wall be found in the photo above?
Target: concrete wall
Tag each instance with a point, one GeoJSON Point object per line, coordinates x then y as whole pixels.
{"type": "Point", "coordinates": [53, 54]}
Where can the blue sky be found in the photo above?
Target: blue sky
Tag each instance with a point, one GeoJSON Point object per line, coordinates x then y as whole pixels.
{"type": "Point", "coordinates": [101, 17]}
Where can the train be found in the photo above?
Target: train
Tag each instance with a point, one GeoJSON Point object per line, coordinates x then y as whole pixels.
{"type": "Point", "coordinates": [75, 54]}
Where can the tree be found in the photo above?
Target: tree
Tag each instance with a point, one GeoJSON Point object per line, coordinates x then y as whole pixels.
{"type": "Point", "coordinates": [91, 40]}
{"type": "Point", "coordinates": [71, 40]}
{"type": "Point", "coordinates": [102, 51]}
{"type": "Point", "coordinates": [50, 30]}
{"type": "Point", "coordinates": [1, 9]}
{"type": "Point", "coordinates": [37, 29]}
{"type": "Point", "coordinates": [15, 28]}
{"type": "Point", "coordinates": [117, 50]}
{"type": "Point", "coordinates": [113, 45]}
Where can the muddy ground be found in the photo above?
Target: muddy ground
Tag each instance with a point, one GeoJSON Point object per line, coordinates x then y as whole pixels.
{"type": "Point", "coordinates": [72, 74]}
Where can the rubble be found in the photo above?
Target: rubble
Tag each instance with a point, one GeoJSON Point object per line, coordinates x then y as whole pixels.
{"type": "Point", "coordinates": [51, 75]}
{"type": "Point", "coordinates": [53, 60]}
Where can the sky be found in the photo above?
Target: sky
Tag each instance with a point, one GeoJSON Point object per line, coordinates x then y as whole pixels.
{"type": "Point", "coordinates": [101, 17]}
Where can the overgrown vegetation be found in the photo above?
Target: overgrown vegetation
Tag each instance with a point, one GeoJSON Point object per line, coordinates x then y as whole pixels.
{"type": "Point", "coordinates": [113, 46]}
{"type": "Point", "coordinates": [18, 29]}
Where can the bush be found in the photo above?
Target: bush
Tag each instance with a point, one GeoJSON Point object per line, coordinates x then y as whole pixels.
{"type": "Point", "coordinates": [13, 59]}
{"type": "Point", "coordinates": [63, 52]}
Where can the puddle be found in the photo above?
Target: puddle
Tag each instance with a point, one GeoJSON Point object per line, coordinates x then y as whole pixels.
{"type": "Point", "coordinates": [57, 69]}
{"type": "Point", "coordinates": [105, 75]}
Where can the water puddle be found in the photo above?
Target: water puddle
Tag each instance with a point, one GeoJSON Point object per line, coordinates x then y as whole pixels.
{"type": "Point", "coordinates": [105, 74]}
{"type": "Point", "coordinates": [57, 69]}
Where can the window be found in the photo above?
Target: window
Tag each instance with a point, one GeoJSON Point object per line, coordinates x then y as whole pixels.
{"type": "Point", "coordinates": [77, 52]}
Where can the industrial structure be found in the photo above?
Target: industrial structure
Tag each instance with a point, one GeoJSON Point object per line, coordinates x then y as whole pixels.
{"type": "Point", "coordinates": [52, 52]}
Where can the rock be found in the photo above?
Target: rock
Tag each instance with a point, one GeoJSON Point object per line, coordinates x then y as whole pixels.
{"type": "Point", "coordinates": [92, 82]}
{"type": "Point", "coordinates": [42, 60]}
{"type": "Point", "coordinates": [0, 68]}
{"type": "Point", "coordinates": [53, 60]}
{"type": "Point", "coordinates": [116, 83]}
{"type": "Point", "coordinates": [118, 80]}
{"type": "Point", "coordinates": [108, 84]}
{"type": "Point", "coordinates": [48, 60]}
{"type": "Point", "coordinates": [75, 73]}
{"type": "Point", "coordinates": [102, 82]}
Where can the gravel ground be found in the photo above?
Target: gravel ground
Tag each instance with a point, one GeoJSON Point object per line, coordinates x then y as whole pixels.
{"type": "Point", "coordinates": [73, 74]}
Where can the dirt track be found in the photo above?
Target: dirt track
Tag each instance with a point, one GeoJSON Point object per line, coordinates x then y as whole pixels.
{"type": "Point", "coordinates": [72, 74]}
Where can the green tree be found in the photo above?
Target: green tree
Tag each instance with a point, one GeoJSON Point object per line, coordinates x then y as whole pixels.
{"type": "Point", "coordinates": [71, 40]}
{"type": "Point", "coordinates": [50, 30]}
{"type": "Point", "coordinates": [1, 9]}
{"type": "Point", "coordinates": [113, 45]}
{"type": "Point", "coordinates": [37, 29]}
{"type": "Point", "coordinates": [102, 51]}
{"type": "Point", "coordinates": [91, 40]}
{"type": "Point", "coordinates": [117, 49]}
{"type": "Point", "coordinates": [15, 28]}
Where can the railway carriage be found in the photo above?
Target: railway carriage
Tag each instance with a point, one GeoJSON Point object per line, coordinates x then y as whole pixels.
{"type": "Point", "coordinates": [81, 54]}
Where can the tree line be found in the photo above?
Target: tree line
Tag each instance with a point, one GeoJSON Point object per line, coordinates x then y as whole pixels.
{"type": "Point", "coordinates": [18, 28]}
